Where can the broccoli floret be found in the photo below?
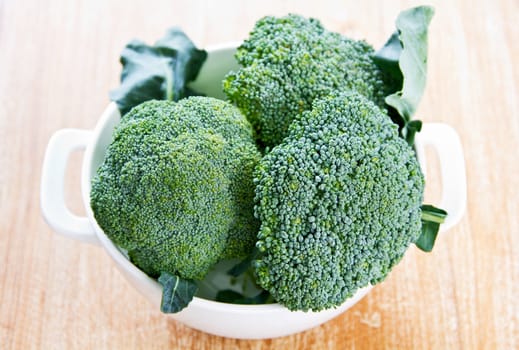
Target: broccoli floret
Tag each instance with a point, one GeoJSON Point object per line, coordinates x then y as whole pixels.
{"type": "Point", "coordinates": [339, 203]}
{"type": "Point", "coordinates": [289, 62]}
{"type": "Point", "coordinates": [175, 189]}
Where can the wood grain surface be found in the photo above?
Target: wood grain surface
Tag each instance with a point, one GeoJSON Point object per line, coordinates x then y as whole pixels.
{"type": "Point", "coordinates": [59, 59]}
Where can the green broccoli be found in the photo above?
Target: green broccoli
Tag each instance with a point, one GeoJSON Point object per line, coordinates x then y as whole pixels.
{"type": "Point", "coordinates": [175, 189]}
{"type": "Point", "coordinates": [339, 203]}
{"type": "Point", "coordinates": [289, 62]}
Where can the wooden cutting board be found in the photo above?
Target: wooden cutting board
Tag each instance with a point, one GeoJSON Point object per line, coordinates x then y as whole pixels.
{"type": "Point", "coordinates": [59, 59]}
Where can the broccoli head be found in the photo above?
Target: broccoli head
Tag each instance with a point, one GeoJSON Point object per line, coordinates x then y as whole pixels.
{"type": "Point", "coordinates": [175, 189]}
{"type": "Point", "coordinates": [339, 203]}
{"type": "Point", "coordinates": [289, 62]}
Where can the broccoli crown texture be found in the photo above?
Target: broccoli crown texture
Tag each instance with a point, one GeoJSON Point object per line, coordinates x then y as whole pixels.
{"type": "Point", "coordinates": [175, 188]}
{"type": "Point", "coordinates": [289, 62]}
{"type": "Point", "coordinates": [339, 203]}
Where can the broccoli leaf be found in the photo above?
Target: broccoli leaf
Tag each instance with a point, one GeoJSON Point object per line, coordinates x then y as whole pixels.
{"type": "Point", "coordinates": [177, 293]}
{"type": "Point", "coordinates": [432, 217]}
{"type": "Point", "coordinates": [412, 27]}
{"type": "Point", "coordinates": [243, 265]}
{"type": "Point", "coordinates": [387, 58]}
{"type": "Point", "coordinates": [404, 57]}
{"type": "Point", "coordinates": [232, 297]}
{"type": "Point", "coordinates": [240, 268]}
{"type": "Point", "coordinates": [159, 72]}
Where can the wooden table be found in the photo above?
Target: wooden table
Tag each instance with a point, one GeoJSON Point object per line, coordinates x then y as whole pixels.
{"type": "Point", "coordinates": [59, 59]}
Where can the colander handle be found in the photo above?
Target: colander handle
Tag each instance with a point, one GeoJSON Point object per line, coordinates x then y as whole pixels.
{"type": "Point", "coordinates": [446, 142]}
{"type": "Point", "coordinates": [52, 199]}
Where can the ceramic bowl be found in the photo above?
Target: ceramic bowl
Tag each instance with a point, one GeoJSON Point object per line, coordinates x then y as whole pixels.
{"type": "Point", "coordinates": [228, 320]}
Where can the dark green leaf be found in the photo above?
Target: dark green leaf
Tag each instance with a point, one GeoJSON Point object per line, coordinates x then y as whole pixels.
{"type": "Point", "coordinates": [404, 58]}
{"type": "Point", "coordinates": [158, 72]}
{"type": "Point", "coordinates": [177, 293]}
{"type": "Point", "coordinates": [232, 297]}
{"type": "Point", "coordinates": [239, 268]}
{"type": "Point", "coordinates": [228, 296]}
{"type": "Point", "coordinates": [412, 26]}
{"type": "Point", "coordinates": [432, 217]}
{"type": "Point", "coordinates": [428, 236]}
{"type": "Point", "coordinates": [243, 265]}
{"type": "Point", "coordinates": [431, 213]}
{"type": "Point", "coordinates": [387, 58]}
